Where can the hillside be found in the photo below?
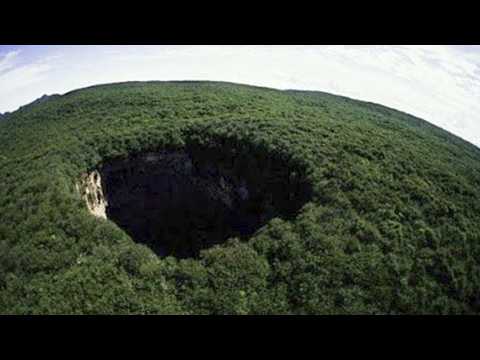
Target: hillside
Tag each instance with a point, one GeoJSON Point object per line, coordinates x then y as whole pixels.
{"type": "Point", "coordinates": [217, 198]}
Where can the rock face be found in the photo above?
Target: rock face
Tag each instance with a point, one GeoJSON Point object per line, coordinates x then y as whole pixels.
{"type": "Point", "coordinates": [90, 188]}
{"type": "Point", "coordinates": [177, 204]}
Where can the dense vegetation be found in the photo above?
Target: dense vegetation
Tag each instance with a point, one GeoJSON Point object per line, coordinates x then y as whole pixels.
{"type": "Point", "coordinates": [391, 227]}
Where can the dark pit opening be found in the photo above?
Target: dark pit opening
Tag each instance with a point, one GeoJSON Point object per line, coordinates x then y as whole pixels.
{"type": "Point", "coordinates": [180, 202]}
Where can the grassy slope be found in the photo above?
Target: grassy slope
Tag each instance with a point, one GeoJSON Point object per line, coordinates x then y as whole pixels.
{"type": "Point", "coordinates": [392, 228]}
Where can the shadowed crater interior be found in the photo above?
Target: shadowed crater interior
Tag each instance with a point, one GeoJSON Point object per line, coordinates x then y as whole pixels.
{"type": "Point", "coordinates": [179, 202]}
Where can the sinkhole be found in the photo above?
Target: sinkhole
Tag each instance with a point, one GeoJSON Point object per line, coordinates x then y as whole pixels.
{"type": "Point", "coordinates": [178, 202]}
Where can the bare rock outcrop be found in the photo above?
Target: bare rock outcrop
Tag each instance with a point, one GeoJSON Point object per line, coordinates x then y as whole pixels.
{"type": "Point", "coordinates": [91, 191]}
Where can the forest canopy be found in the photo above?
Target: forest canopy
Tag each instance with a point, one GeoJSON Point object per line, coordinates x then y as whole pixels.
{"type": "Point", "coordinates": [389, 226]}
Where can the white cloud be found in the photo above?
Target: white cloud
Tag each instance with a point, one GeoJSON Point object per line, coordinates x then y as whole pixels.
{"type": "Point", "coordinates": [438, 83]}
{"type": "Point", "coordinates": [7, 61]}
{"type": "Point", "coordinates": [21, 85]}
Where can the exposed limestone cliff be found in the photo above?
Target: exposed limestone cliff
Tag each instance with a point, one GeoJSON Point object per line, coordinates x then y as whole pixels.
{"type": "Point", "coordinates": [90, 188]}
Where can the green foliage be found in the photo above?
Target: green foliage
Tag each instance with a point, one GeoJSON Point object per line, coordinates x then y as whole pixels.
{"type": "Point", "coordinates": [392, 226]}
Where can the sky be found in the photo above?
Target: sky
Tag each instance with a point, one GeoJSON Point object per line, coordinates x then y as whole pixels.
{"type": "Point", "coordinates": [440, 84]}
